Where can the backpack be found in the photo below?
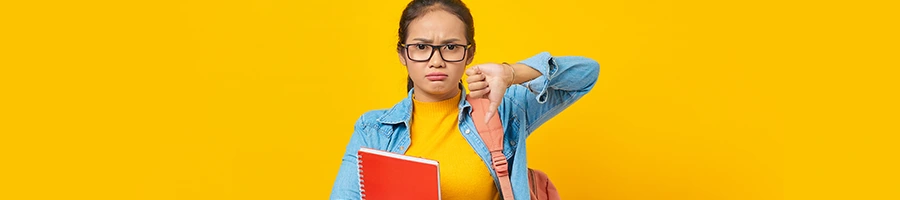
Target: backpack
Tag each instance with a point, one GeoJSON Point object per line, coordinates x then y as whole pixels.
{"type": "Point", "coordinates": [492, 134]}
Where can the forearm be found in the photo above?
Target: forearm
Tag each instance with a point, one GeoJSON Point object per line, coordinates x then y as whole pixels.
{"type": "Point", "coordinates": [523, 73]}
{"type": "Point", "coordinates": [558, 83]}
{"type": "Point", "coordinates": [566, 73]}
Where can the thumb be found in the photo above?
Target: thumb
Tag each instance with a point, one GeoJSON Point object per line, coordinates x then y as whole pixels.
{"type": "Point", "coordinates": [492, 109]}
{"type": "Point", "coordinates": [495, 97]}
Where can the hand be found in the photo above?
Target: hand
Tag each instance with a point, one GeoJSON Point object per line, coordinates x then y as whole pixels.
{"type": "Point", "coordinates": [489, 81]}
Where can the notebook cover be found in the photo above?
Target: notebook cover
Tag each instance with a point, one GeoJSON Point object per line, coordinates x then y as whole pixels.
{"type": "Point", "coordinates": [390, 176]}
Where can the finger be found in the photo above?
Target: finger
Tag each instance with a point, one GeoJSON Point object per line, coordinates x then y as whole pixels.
{"type": "Point", "coordinates": [473, 71]}
{"type": "Point", "coordinates": [477, 85]}
{"type": "Point", "coordinates": [478, 93]}
{"type": "Point", "coordinates": [474, 78]}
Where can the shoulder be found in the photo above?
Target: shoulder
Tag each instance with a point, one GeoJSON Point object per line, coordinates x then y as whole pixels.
{"type": "Point", "coordinates": [370, 118]}
{"type": "Point", "coordinates": [379, 119]}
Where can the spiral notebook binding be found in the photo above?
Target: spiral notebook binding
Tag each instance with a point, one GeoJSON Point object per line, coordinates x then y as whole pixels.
{"type": "Point", "coordinates": [362, 190]}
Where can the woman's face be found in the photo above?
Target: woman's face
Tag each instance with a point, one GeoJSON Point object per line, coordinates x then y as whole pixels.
{"type": "Point", "coordinates": [437, 78]}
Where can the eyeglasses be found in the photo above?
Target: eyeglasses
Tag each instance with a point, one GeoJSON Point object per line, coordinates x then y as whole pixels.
{"type": "Point", "coordinates": [423, 52]}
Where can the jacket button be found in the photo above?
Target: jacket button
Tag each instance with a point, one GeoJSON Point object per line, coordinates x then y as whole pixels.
{"type": "Point", "coordinates": [512, 142]}
{"type": "Point", "coordinates": [402, 148]}
{"type": "Point", "coordinates": [468, 131]}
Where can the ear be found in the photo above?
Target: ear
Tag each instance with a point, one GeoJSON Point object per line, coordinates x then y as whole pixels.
{"type": "Point", "coordinates": [402, 58]}
{"type": "Point", "coordinates": [470, 56]}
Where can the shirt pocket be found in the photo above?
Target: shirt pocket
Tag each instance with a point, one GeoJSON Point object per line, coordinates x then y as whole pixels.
{"type": "Point", "coordinates": [511, 137]}
{"type": "Point", "coordinates": [377, 136]}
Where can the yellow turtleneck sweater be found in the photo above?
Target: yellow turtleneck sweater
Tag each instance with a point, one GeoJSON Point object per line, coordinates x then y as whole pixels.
{"type": "Point", "coordinates": [435, 135]}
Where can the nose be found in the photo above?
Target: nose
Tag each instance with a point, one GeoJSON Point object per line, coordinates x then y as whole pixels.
{"type": "Point", "coordinates": [437, 60]}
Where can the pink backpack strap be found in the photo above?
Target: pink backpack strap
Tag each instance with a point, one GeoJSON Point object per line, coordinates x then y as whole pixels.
{"type": "Point", "coordinates": [492, 135]}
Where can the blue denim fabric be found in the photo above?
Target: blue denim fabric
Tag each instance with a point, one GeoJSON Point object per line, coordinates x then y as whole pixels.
{"type": "Point", "coordinates": [524, 108]}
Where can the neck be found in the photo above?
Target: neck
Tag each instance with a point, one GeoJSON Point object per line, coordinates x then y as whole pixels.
{"type": "Point", "coordinates": [422, 96]}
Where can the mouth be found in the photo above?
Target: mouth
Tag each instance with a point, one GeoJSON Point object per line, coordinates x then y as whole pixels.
{"type": "Point", "coordinates": [436, 76]}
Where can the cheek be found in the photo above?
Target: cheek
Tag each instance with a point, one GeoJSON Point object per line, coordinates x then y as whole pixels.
{"type": "Point", "coordinates": [415, 68]}
{"type": "Point", "coordinates": [458, 69]}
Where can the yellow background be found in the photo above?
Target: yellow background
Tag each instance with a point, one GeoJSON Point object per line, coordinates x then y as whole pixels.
{"type": "Point", "coordinates": [256, 99]}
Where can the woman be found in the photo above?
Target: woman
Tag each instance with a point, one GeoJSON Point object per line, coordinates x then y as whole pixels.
{"type": "Point", "coordinates": [437, 42]}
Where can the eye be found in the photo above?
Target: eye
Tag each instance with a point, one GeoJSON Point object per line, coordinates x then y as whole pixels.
{"type": "Point", "coordinates": [421, 46]}
{"type": "Point", "coordinates": [451, 47]}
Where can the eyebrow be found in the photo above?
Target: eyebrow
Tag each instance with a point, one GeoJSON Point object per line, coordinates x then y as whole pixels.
{"type": "Point", "coordinates": [430, 41]}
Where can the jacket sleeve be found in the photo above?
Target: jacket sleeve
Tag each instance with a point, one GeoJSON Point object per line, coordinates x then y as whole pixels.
{"type": "Point", "coordinates": [563, 81]}
{"type": "Point", "coordinates": [346, 185]}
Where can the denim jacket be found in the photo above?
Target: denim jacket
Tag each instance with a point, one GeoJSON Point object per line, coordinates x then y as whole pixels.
{"type": "Point", "coordinates": [523, 109]}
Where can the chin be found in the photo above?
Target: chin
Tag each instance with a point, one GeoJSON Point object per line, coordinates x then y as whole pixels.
{"type": "Point", "coordinates": [437, 91]}
{"type": "Point", "coordinates": [441, 89]}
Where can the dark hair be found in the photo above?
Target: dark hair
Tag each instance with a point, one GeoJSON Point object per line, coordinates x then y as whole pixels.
{"type": "Point", "coordinates": [417, 8]}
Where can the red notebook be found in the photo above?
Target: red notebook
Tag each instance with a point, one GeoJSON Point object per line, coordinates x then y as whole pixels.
{"type": "Point", "coordinates": [390, 176]}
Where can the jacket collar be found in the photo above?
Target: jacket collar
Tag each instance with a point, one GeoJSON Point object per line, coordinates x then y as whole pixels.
{"type": "Point", "coordinates": [402, 111]}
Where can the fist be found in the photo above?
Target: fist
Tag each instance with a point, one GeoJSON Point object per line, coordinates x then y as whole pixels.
{"type": "Point", "coordinates": [489, 81]}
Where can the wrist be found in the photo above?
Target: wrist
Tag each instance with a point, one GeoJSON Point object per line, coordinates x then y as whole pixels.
{"type": "Point", "coordinates": [512, 74]}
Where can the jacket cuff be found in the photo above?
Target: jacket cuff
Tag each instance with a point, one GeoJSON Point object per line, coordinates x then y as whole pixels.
{"type": "Point", "coordinates": [546, 65]}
